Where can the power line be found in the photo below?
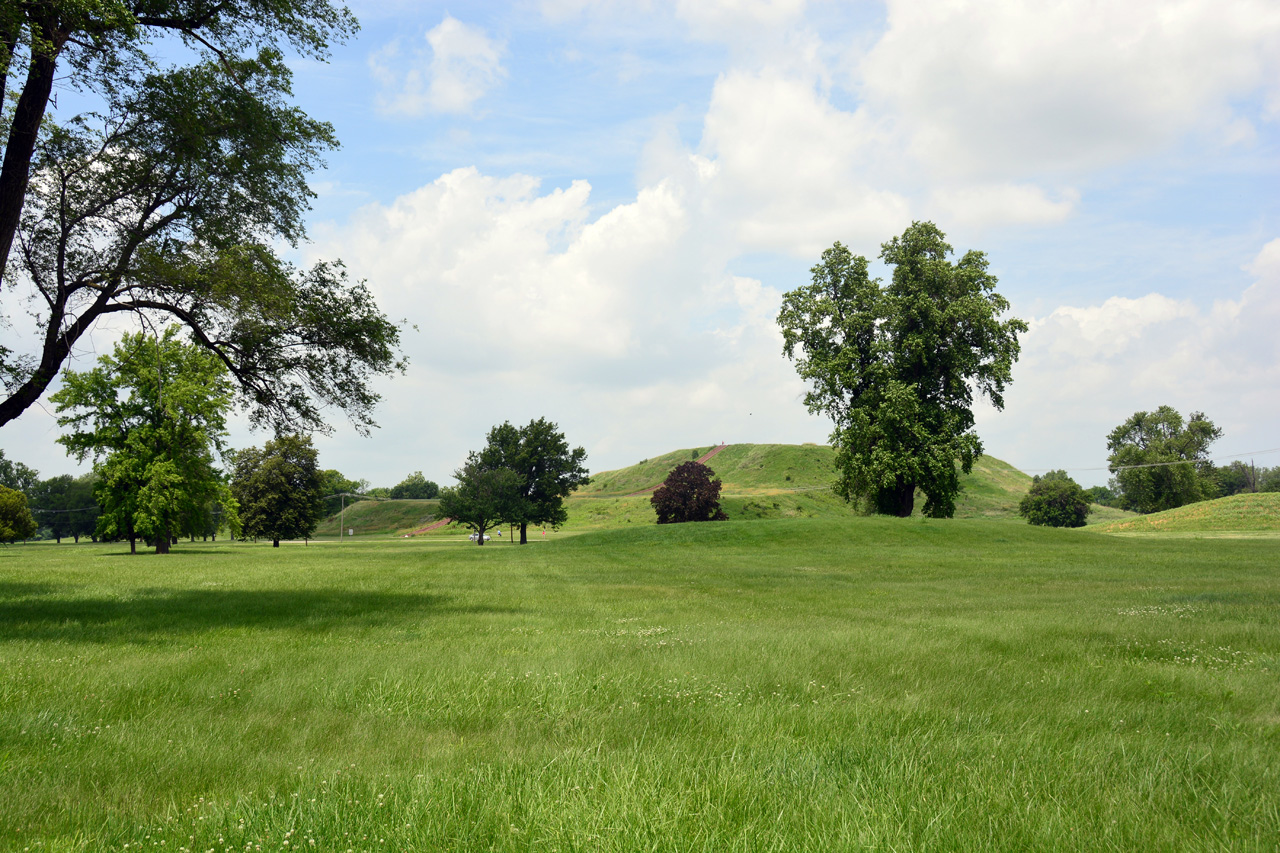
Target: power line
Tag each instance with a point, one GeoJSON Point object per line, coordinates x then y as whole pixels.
{"type": "Point", "coordinates": [1232, 457]}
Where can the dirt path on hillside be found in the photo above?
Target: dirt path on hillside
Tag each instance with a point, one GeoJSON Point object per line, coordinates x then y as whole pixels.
{"type": "Point", "coordinates": [436, 525]}
{"type": "Point", "coordinates": [701, 460]}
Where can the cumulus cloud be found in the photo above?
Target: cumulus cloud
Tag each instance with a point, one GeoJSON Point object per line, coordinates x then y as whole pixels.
{"type": "Point", "coordinates": [792, 172]}
{"type": "Point", "coordinates": [524, 302]}
{"type": "Point", "coordinates": [1001, 87]}
{"type": "Point", "coordinates": [1084, 369]}
{"type": "Point", "coordinates": [459, 65]}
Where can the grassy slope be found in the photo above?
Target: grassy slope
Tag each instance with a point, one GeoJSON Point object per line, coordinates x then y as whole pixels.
{"type": "Point", "coordinates": [776, 481]}
{"type": "Point", "coordinates": [800, 684]}
{"type": "Point", "coordinates": [1258, 512]}
{"type": "Point", "coordinates": [383, 517]}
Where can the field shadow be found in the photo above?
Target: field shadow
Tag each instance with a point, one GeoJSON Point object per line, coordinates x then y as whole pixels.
{"type": "Point", "coordinates": [39, 612]}
{"type": "Point", "coordinates": [22, 589]}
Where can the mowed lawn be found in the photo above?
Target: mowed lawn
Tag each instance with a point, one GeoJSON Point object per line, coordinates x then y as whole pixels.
{"type": "Point", "coordinates": [791, 684]}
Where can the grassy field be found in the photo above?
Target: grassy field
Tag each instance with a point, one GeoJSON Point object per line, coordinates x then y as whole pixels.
{"type": "Point", "coordinates": [779, 684]}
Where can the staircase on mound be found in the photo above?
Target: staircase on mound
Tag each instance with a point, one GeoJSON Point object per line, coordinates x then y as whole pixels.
{"type": "Point", "coordinates": [701, 460]}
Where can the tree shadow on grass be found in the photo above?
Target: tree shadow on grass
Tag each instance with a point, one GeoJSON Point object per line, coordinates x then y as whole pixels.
{"type": "Point", "coordinates": [22, 589]}
{"type": "Point", "coordinates": [40, 612]}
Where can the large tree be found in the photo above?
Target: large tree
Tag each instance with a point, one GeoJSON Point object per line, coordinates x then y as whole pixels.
{"type": "Point", "coordinates": [896, 367]}
{"type": "Point", "coordinates": [168, 196]}
{"type": "Point", "coordinates": [279, 489]}
{"type": "Point", "coordinates": [484, 497]}
{"type": "Point", "coordinates": [548, 468]}
{"type": "Point", "coordinates": [151, 415]}
{"type": "Point", "coordinates": [1160, 461]}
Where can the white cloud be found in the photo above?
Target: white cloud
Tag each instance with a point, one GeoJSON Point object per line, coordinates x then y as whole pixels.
{"type": "Point", "coordinates": [461, 65]}
{"type": "Point", "coordinates": [1004, 87]}
{"type": "Point", "coordinates": [625, 326]}
{"type": "Point", "coordinates": [1084, 369]}
{"type": "Point", "coordinates": [736, 22]}
{"type": "Point", "coordinates": [987, 205]}
{"type": "Point", "coordinates": [792, 172]}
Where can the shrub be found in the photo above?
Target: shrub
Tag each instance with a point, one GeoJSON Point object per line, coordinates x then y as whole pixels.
{"type": "Point", "coordinates": [688, 494]}
{"type": "Point", "coordinates": [1055, 500]}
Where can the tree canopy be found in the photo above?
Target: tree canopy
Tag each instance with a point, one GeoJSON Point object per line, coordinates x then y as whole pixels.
{"type": "Point", "coordinates": [151, 415]}
{"type": "Point", "coordinates": [16, 521]}
{"type": "Point", "coordinates": [415, 487]}
{"type": "Point", "coordinates": [690, 493]}
{"type": "Point", "coordinates": [896, 367]}
{"type": "Point", "coordinates": [1160, 461]}
{"type": "Point", "coordinates": [1055, 500]}
{"type": "Point", "coordinates": [66, 505]}
{"type": "Point", "coordinates": [279, 489]}
{"type": "Point", "coordinates": [17, 476]}
{"type": "Point", "coordinates": [167, 199]}
{"type": "Point", "coordinates": [548, 470]}
{"type": "Point", "coordinates": [484, 497]}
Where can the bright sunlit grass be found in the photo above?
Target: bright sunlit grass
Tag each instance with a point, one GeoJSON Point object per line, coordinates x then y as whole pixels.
{"type": "Point", "coordinates": [793, 684]}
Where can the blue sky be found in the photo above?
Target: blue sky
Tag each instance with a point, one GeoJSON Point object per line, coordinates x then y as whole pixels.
{"type": "Point", "coordinates": [590, 211]}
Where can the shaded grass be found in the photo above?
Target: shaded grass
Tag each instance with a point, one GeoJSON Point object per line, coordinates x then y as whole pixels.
{"type": "Point", "coordinates": [773, 685]}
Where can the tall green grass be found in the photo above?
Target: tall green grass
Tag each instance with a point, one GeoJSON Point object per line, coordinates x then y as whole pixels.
{"type": "Point", "coordinates": [1256, 513]}
{"type": "Point", "coordinates": [791, 684]}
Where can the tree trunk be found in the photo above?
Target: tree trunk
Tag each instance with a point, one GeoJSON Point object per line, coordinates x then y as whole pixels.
{"type": "Point", "coordinates": [524, 533]}
{"type": "Point", "coordinates": [897, 500]}
{"type": "Point", "coordinates": [162, 543]}
{"type": "Point", "coordinates": [275, 543]}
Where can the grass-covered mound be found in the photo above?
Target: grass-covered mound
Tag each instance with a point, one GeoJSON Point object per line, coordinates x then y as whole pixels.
{"type": "Point", "coordinates": [742, 468]}
{"type": "Point", "coordinates": [381, 517]}
{"type": "Point", "coordinates": [776, 481]}
{"type": "Point", "coordinates": [1246, 512]}
{"type": "Point", "coordinates": [800, 684]}
{"type": "Point", "coordinates": [760, 481]}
